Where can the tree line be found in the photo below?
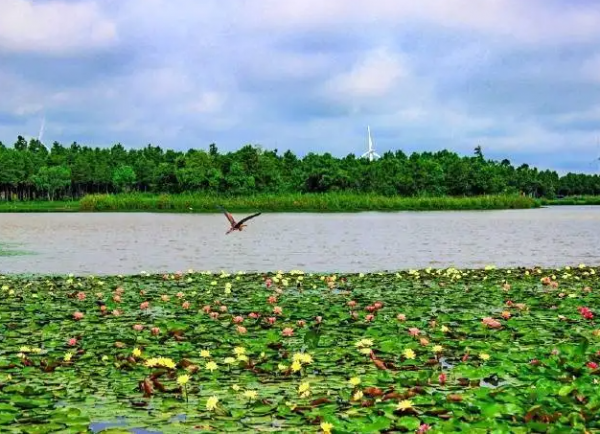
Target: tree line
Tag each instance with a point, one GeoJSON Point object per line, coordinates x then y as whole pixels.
{"type": "Point", "coordinates": [31, 171]}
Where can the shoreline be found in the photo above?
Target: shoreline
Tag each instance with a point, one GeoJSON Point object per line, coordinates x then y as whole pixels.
{"type": "Point", "coordinates": [313, 203]}
{"type": "Point", "coordinates": [516, 272]}
{"type": "Point", "coordinates": [327, 203]}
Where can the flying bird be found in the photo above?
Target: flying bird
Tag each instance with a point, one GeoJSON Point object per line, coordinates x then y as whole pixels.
{"type": "Point", "coordinates": [236, 226]}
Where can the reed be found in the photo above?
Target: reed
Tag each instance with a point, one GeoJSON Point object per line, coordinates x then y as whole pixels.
{"type": "Point", "coordinates": [328, 202]}
{"type": "Point", "coordinates": [572, 200]}
{"type": "Point", "coordinates": [39, 206]}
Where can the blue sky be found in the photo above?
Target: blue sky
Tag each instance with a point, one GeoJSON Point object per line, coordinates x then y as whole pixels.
{"type": "Point", "coordinates": [520, 78]}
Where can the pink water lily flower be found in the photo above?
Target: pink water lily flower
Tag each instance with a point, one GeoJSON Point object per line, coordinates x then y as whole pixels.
{"type": "Point", "coordinates": [78, 315]}
{"type": "Point", "coordinates": [287, 331]}
{"type": "Point", "coordinates": [491, 322]}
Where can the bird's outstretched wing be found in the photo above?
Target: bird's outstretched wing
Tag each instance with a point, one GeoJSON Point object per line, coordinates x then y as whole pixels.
{"type": "Point", "coordinates": [245, 219]}
{"type": "Point", "coordinates": [228, 215]}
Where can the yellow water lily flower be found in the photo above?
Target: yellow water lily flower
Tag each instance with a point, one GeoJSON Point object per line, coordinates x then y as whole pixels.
{"type": "Point", "coordinates": [437, 349]}
{"type": "Point", "coordinates": [404, 405]}
{"type": "Point", "coordinates": [229, 360]}
{"type": "Point", "coordinates": [251, 394]}
{"type": "Point", "coordinates": [484, 356]}
{"type": "Point", "coordinates": [302, 357]}
{"type": "Point", "coordinates": [204, 353]}
{"type": "Point", "coordinates": [211, 366]}
{"type": "Point", "coordinates": [409, 354]}
{"type": "Point", "coordinates": [136, 352]}
{"type": "Point", "coordinates": [183, 379]}
{"type": "Point", "coordinates": [355, 381]}
{"type": "Point", "coordinates": [304, 387]}
{"type": "Point", "coordinates": [235, 387]}
{"type": "Point", "coordinates": [296, 366]}
{"type": "Point", "coordinates": [211, 403]}
{"type": "Point", "coordinates": [326, 427]}
{"type": "Point", "coordinates": [364, 343]}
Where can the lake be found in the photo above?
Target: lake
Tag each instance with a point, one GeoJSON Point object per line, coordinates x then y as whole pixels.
{"type": "Point", "coordinates": [127, 243]}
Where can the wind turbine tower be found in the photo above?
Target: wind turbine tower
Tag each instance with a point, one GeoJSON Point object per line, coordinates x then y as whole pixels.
{"type": "Point", "coordinates": [42, 129]}
{"type": "Point", "coordinates": [371, 154]}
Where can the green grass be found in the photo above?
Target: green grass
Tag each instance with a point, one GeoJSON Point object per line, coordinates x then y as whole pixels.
{"type": "Point", "coordinates": [327, 202]}
{"type": "Point", "coordinates": [330, 202]}
{"type": "Point", "coordinates": [533, 370]}
{"type": "Point", "coordinates": [39, 206]}
{"type": "Point", "coordinates": [572, 200]}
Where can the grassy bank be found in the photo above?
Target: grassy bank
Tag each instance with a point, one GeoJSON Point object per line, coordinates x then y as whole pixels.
{"type": "Point", "coordinates": [331, 202]}
{"type": "Point", "coordinates": [39, 206]}
{"type": "Point", "coordinates": [328, 202]}
{"type": "Point", "coordinates": [572, 200]}
{"type": "Point", "coordinates": [449, 350]}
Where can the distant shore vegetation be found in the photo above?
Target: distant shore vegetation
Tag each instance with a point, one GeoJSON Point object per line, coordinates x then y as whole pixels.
{"type": "Point", "coordinates": [31, 171]}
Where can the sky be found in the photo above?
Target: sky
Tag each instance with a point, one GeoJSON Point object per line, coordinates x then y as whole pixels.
{"type": "Point", "coordinates": [519, 78]}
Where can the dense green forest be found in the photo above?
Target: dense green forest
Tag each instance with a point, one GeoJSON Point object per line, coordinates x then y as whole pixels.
{"type": "Point", "coordinates": [30, 171]}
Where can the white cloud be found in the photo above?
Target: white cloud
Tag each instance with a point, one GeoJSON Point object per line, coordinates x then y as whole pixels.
{"type": "Point", "coordinates": [375, 75]}
{"type": "Point", "coordinates": [531, 21]}
{"type": "Point", "coordinates": [54, 27]}
{"type": "Point", "coordinates": [207, 102]}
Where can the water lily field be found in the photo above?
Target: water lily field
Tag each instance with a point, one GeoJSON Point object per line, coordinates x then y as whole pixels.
{"type": "Point", "coordinates": [474, 351]}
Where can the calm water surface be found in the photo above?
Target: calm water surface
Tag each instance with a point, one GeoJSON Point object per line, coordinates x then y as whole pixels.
{"type": "Point", "coordinates": [127, 243]}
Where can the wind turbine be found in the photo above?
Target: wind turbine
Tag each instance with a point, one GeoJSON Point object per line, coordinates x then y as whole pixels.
{"type": "Point", "coordinates": [371, 154]}
{"type": "Point", "coordinates": [41, 133]}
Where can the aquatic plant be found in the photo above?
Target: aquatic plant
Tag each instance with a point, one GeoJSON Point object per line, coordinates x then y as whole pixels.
{"type": "Point", "coordinates": [327, 202]}
{"type": "Point", "coordinates": [510, 350]}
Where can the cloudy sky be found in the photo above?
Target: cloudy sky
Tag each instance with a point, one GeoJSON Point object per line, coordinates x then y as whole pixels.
{"type": "Point", "coordinates": [520, 78]}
